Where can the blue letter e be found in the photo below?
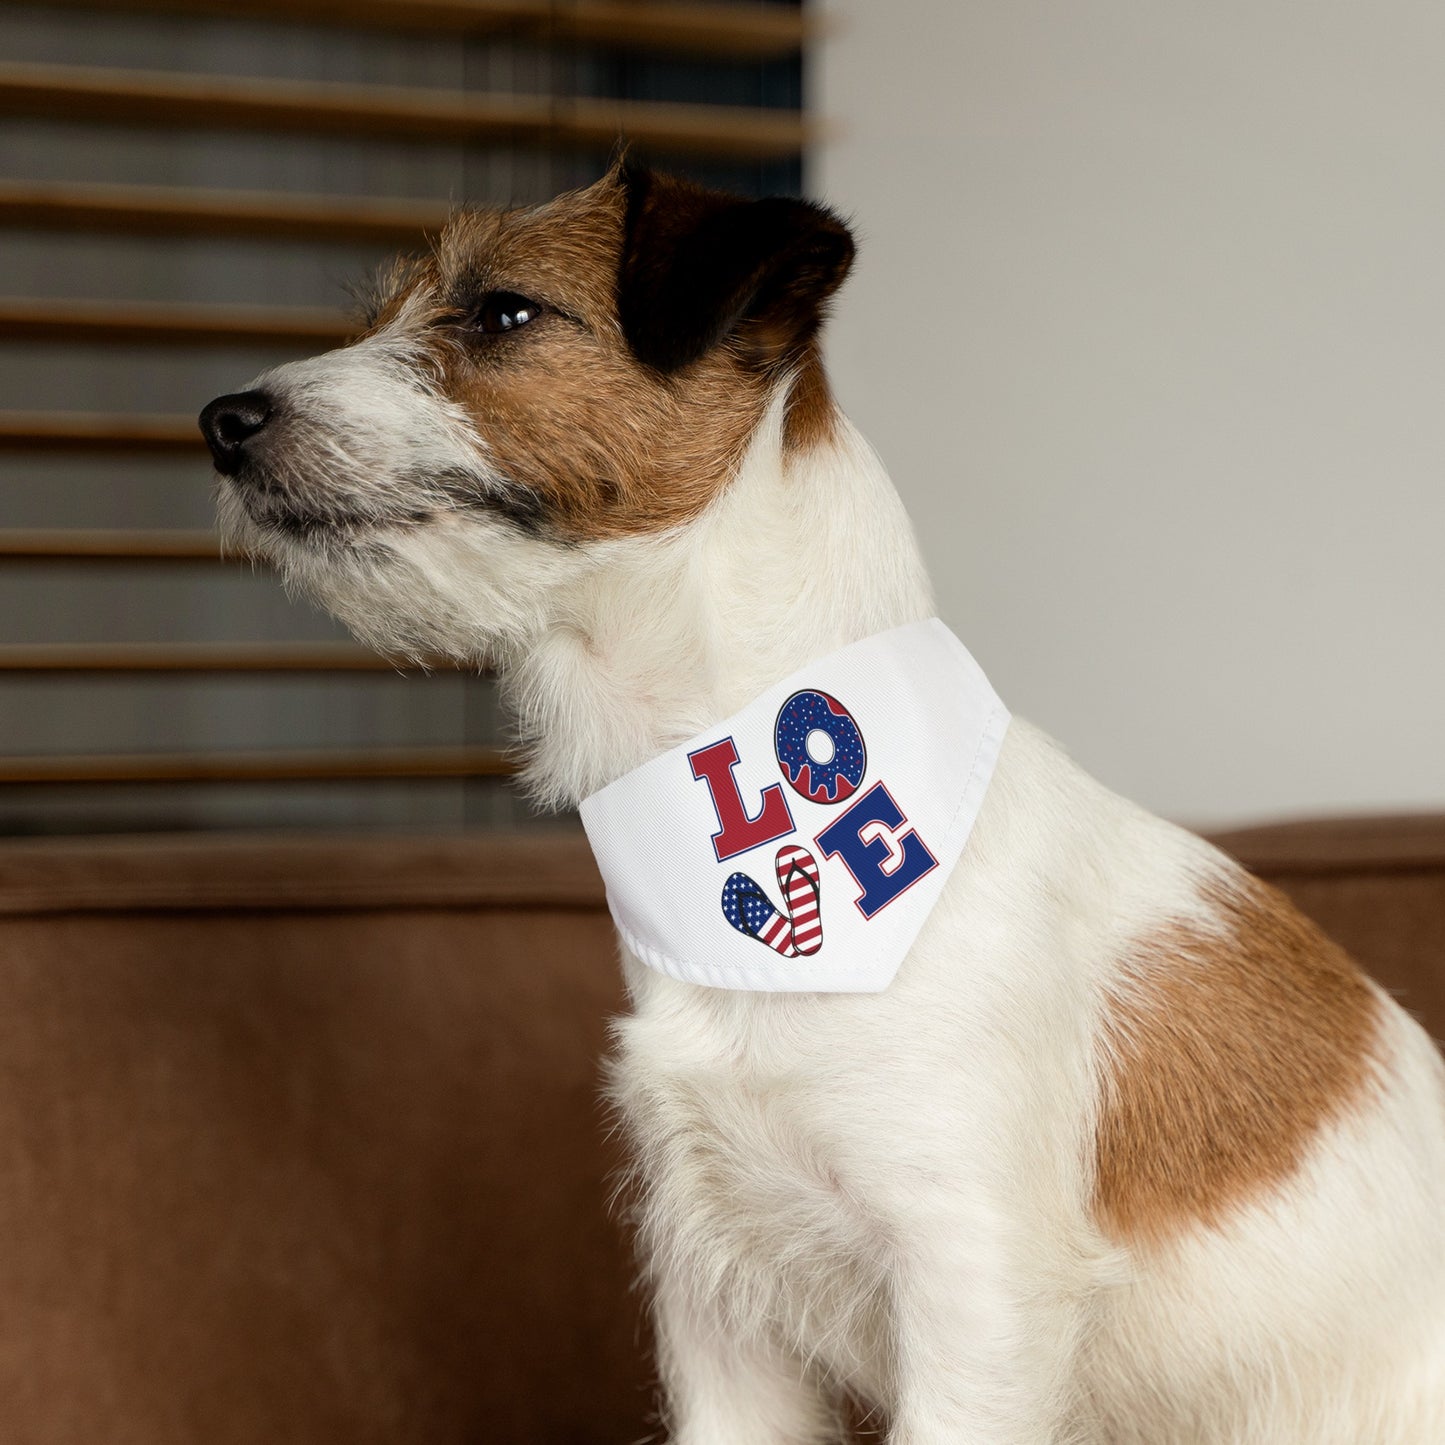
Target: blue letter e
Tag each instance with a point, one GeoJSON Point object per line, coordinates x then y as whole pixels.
{"type": "Point", "coordinates": [883, 862]}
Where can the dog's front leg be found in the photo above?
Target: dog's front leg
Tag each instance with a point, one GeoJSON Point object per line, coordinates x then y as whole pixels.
{"type": "Point", "coordinates": [725, 1387]}
{"type": "Point", "coordinates": [984, 1348]}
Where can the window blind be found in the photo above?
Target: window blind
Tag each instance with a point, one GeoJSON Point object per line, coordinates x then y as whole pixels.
{"type": "Point", "coordinates": [186, 189]}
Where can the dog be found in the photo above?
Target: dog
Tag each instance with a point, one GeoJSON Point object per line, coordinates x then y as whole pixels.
{"type": "Point", "coordinates": [1127, 1153]}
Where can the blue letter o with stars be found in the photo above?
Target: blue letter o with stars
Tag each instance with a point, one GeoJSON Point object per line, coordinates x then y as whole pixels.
{"type": "Point", "coordinates": [819, 747]}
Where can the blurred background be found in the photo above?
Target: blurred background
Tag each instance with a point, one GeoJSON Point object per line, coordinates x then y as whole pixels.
{"type": "Point", "coordinates": [1147, 323]}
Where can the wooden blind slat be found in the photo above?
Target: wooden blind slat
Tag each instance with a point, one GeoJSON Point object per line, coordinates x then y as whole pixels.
{"type": "Point", "coordinates": [156, 98]}
{"type": "Point", "coordinates": [259, 767]}
{"type": "Point", "coordinates": [73, 544]}
{"type": "Point", "coordinates": [168, 210]}
{"type": "Point", "coordinates": [757, 32]}
{"type": "Point", "coordinates": [157, 323]}
{"type": "Point", "coordinates": [82, 431]}
{"type": "Point", "coordinates": [715, 29]}
{"type": "Point", "coordinates": [190, 657]}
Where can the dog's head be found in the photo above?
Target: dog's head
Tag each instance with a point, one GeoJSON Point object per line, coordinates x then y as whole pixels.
{"type": "Point", "coordinates": [546, 384]}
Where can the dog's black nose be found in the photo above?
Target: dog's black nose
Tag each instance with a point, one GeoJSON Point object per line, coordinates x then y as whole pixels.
{"type": "Point", "coordinates": [229, 422]}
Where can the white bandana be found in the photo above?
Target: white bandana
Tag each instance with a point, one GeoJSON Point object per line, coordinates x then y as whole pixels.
{"type": "Point", "coordinates": [799, 845]}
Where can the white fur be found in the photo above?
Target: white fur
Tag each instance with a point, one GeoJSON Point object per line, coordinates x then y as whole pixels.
{"type": "Point", "coordinates": [889, 1195]}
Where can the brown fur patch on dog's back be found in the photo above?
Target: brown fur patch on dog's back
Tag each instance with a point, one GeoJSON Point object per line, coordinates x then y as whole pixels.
{"type": "Point", "coordinates": [1226, 1052]}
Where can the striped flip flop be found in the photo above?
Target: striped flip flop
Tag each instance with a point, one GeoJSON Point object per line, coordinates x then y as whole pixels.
{"type": "Point", "coordinates": [802, 897]}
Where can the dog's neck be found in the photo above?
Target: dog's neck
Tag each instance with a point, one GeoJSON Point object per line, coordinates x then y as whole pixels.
{"type": "Point", "coordinates": [803, 553]}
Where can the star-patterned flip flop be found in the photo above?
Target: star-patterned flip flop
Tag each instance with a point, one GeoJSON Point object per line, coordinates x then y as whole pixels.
{"type": "Point", "coordinates": [751, 911]}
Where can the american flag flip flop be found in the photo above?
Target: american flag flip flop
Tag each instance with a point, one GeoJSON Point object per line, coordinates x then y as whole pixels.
{"type": "Point", "coordinates": [802, 896]}
{"type": "Point", "coordinates": [748, 908]}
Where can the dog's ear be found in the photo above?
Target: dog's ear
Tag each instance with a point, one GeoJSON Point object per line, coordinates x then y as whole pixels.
{"type": "Point", "coordinates": [698, 266]}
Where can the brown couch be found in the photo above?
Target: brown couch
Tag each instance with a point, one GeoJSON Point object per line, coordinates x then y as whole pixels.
{"type": "Point", "coordinates": [300, 1140]}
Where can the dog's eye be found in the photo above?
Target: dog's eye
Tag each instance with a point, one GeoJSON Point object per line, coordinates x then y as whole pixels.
{"type": "Point", "coordinates": [504, 311]}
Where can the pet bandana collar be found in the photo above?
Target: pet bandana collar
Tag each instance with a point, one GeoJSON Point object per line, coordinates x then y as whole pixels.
{"type": "Point", "coordinates": [799, 845]}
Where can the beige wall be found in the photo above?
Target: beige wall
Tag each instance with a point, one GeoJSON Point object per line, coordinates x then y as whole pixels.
{"type": "Point", "coordinates": [1149, 324]}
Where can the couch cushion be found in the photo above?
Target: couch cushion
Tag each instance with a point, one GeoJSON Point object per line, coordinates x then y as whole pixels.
{"type": "Point", "coordinates": [300, 1141]}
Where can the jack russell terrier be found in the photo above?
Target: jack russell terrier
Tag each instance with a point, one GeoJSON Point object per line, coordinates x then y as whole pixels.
{"type": "Point", "coordinates": [957, 1086]}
